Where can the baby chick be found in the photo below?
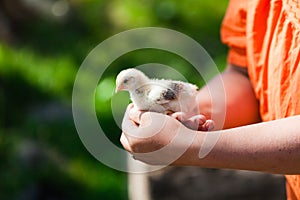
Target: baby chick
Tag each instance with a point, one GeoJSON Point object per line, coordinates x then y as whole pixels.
{"type": "Point", "coordinates": [171, 97]}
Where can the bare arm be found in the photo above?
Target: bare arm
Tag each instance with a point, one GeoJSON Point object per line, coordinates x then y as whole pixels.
{"type": "Point", "coordinates": [241, 104]}
{"type": "Point", "coordinates": [269, 146]}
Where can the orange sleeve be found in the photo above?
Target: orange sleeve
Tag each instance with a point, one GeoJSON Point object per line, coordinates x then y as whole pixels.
{"type": "Point", "coordinates": [292, 187]}
{"type": "Point", "coordinates": [233, 32]}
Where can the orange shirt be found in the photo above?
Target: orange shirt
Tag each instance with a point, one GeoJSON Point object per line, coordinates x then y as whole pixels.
{"type": "Point", "coordinates": [264, 35]}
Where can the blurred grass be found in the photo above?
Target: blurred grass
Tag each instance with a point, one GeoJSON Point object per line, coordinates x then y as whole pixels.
{"type": "Point", "coordinates": [41, 155]}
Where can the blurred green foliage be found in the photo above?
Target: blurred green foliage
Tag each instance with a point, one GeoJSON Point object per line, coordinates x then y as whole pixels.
{"type": "Point", "coordinates": [41, 154]}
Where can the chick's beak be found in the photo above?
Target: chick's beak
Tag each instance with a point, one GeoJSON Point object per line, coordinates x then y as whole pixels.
{"type": "Point", "coordinates": [118, 88]}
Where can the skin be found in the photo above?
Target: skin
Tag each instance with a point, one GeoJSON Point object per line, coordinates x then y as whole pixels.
{"type": "Point", "coordinates": [243, 142]}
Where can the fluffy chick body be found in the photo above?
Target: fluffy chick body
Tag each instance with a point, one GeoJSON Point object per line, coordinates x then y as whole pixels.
{"type": "Point", "coordinates": [158, 95]}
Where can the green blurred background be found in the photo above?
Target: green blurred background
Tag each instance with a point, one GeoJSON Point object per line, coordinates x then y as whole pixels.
{"type": "Point", "coordinates": [43, 43]}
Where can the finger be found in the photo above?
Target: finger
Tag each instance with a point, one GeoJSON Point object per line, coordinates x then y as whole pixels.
{"type": "Point", "coordinates": [150, 124]}
{"type": "Point", "coordinates": [180, 116]}
{"type": "Point", "coordinates": [125, 143]}
{"type": "Point", "coordinates": [135, 114]}
{"type": "Point", "coordinates": [128, 125]}
{"type": "Point", "coordinates": [196, 122]}
{"type": "Point", "coordinates": [198, 119]}
{"type": "Point", "coordinates": [209, 125]}
{"type": "Point", "coordinates": [153, 123]}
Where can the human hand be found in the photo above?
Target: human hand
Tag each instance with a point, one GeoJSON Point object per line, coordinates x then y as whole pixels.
{"type": "Point", "coordinates": [197, 122]}
{"type": "Point", "coordinates": [146, 127]}
{"type": "Point", "coordinates": [155, 138]}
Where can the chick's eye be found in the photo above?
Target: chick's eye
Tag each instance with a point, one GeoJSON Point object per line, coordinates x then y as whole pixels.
{"type": "Point", "coordinates": [126, 81]}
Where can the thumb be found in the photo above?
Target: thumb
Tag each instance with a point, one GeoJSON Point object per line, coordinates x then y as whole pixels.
{"type": "Point", "coordinates": [152, 123]}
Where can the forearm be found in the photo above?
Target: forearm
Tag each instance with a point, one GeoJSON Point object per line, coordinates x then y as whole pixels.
{"type": "Point", "coordinates": [241, 106]}
{"type": "Point", "coordinates": [269, 146]}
